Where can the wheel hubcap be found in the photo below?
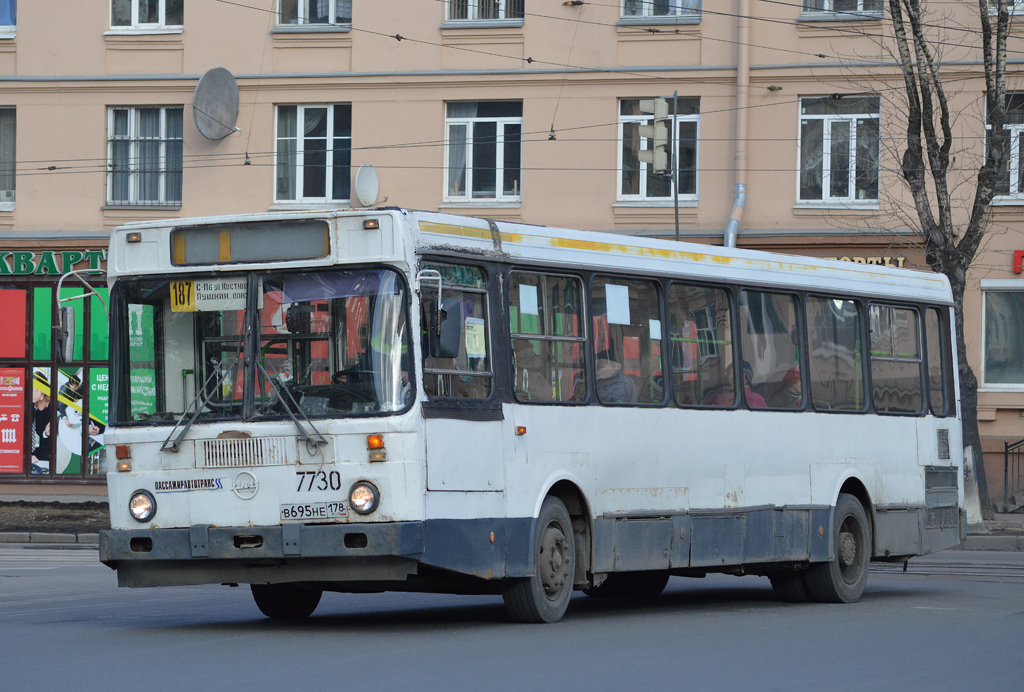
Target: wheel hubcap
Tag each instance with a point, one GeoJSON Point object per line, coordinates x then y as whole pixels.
{"type": "Point", "coordinates": [849, 551]}
{"type": "Point", "coordinates": [554, 560]}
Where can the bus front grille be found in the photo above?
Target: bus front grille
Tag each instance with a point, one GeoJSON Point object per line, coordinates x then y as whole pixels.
{"type": "Point", "coordinates": [254, 451]}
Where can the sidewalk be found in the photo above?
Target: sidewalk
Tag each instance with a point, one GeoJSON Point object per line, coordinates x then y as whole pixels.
{"type": "Point", "coordinates": [1003, 534]}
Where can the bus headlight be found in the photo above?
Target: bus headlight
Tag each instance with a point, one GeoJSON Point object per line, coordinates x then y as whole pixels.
{"type": "Point", "coordinates": [363, 497]}
{"type": "Point", "coordinates": [142, 506]}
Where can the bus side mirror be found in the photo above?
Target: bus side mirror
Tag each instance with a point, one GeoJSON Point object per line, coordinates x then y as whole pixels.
{"type": "Point", "coordinates": [446, 329]}
{"type": "Point", "coordinates": [65, 334]}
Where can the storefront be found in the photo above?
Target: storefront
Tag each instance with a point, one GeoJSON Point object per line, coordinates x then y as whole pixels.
{"type": "Point", "coordinates": [52, 415]}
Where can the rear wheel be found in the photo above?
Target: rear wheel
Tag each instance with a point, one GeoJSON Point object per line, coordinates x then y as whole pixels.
{"type": "Point", "coordinates": [631, 585]}
{"type": "Point", "coordinates": [285, 601]}
{"type": "Point", "coordinates": [842, 579]}
{"type": "Point", "coordinates": [544, 597]}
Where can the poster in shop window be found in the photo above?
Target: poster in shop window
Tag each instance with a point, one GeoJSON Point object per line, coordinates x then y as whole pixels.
{"type": "Point", "coordinates": [12, 427]}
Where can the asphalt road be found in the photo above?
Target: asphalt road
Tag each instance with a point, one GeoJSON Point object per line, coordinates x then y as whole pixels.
{"type": "Point", "coordinates": [954, 621]}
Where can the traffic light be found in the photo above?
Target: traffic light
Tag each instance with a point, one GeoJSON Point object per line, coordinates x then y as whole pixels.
{"type": "Point", "coordinates": [658, 153]}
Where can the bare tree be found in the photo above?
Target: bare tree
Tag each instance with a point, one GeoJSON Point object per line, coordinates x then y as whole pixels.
{"type": "Point", "coordinates": [951, 244]}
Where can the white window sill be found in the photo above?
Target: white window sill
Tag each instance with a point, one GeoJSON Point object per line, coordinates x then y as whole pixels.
{"type": "Point", "coordinates": [655, 203]}
{"type": "Point", "coordinates": [310, 206]}
{"type": "Point", "coordinates": [482, 24]}
{"type": "Point", "coordinates": [311, 29]}
{"type": "Point", "coordinates": [154, 206]}
{"type": "Point", "coordinates": [6, 206]}
{"type": "Point", "coordinates": [1008, 201]}
{"type": "Point", "coordinates": [8, 31]}
{"type": "Point", "coordinates": [483, 204]}
{"type": "Point", "coordinates": [145, 31]}
{"type": "Point", "coordinates": [660, 21]}
{"type": "Point", "coordinates": [1001, 388]}
{"type": "Point", "coordinates": [871, 205]}
{"type": "Point", "coordinates": [840, 16]}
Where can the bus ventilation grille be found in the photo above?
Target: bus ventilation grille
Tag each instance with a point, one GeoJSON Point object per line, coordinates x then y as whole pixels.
{"type": "Point", "coordinates": [943, 442]}
{"type": "Point", "coordinates": [256, 451]}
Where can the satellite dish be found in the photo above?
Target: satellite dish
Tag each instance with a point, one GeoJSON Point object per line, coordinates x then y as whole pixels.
{"type": "Point", "coordinates": [215, 104]}
{"type": "Point", "coordinates": [367, 186]}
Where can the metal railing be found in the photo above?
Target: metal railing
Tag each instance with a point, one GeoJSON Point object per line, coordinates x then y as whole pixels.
{"type": "Point", "coordinates": [1013, 482]}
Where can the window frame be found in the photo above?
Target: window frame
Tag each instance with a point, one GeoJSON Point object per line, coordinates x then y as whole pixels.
{"type": "Point", "coordinates": [984, 384]}
{"type": "Point", "coordinates": [945, 355]}
{"type": "Point", "coordinates": [296, 170]}
{"type": "Point", "coordinates": [922, 375]}
{"type": "Point", "coordinates": [135, 26]}
{"type": "Point", "coordinates": [545, 308]}
{"type": "Point", "coordinates": [10, 30]}
{"type": "Point", "coordinates": [731, 299]}
{"type": "Point", "coordinates": [470, 122]}
{"type": "Point", "coordinates": [646, 9]}
{"type": "Point", "coordinates": [863, 333]}
{"type": "Point", "coordinates": [472, 8]}
{"type": "Point", "coordinates": [648, 119]}
{"type": "Point", "coordinates": [826, 12]}
{"type": "Point", "coordinates": [304, 21]}
{"type": "Point", "coordinates": [827, 120]}
{"type": "Point", "coordinates": [1013, 156]}
{"type": "Point", "coordinates": [5, 203]}
{"type": "Point", "coordinates": [134, 140]}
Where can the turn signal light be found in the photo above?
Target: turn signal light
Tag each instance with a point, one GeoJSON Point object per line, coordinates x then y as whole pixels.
{"type": "Point", "coordinates": [375, 443]}
{"type": "Point", "coordinates": [520, 430]}
{"type": "Point", "coordinates": [123, 452]}
{"type": "Point", "coordinates": [124, 466]}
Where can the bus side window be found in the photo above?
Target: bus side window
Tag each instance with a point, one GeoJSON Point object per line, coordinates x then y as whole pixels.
{"type": "Point", "coordinates": [700, 343]}
{"type": "Point", "coordinates": [895, 359]}
{"type": "Point", "coordinates": [548, 338]}
{"type": "Point", "coordinates": [627, 341]}
{"type": "Point", "coordinates": [938, 361]}
{"type": "Point", "coordinates": [770, 344]}
{"type": "Point", "coordinates": [836, 365]}
{"type": "Point", "coordinates": [468, 374]}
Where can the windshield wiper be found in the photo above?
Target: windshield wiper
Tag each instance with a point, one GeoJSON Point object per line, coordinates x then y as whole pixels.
{"type": "Point", "coordinates": [199, 403]}
{"type": "Point", "coordinates": [316, 438]}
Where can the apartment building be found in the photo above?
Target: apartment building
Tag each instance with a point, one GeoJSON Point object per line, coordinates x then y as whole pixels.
{"type": "Point", "coordinates": [526, 110]}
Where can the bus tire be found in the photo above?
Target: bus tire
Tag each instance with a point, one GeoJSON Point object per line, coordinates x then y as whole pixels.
{"type": "Point", "coordinates": [545, 596]}
{"type": "Point", "coordinates": [790, 586]}
{"type": "Point", "coordinates": [285, 601]}
{"type": "Point", "coordinates": [631, 585]}
{"type": "Point", "coordinates": [842, 579]}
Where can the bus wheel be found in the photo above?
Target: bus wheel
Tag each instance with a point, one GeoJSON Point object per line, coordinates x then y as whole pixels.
{"type": "Point", "coordinates": [842, 579]}
{"type": "Point", "coordinates": [545, 596]}
{"type": "Point", "coordinates": [285, 601]}
{"type": "Point", "coordinates": [631, 585]}
{"type": "Point", "coordinates": [789, 585]}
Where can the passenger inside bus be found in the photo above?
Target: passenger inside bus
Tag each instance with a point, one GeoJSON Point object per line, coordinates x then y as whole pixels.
{"type": "Point", "coordinates": [613, 385]}
{"type": "Point", "coordinates": [790, 395]}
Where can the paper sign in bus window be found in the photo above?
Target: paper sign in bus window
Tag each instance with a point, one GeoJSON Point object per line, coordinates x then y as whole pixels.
{"type": "Point", "coordinates": [617, 300]}
{"type": "Point", "coordinates": [476, 340]}
{"type": "Point", "coordinates": [656, 330]}
{"type": "Point", "coordinates": [528, 300]}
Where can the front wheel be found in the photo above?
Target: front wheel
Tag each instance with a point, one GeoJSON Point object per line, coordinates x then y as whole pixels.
{"type": "Point", "coordinates": [544, 596]}
{"type": "Point", "coordinates": [285, 601]}
{"type": "Point", "coordinates": [842, 579]}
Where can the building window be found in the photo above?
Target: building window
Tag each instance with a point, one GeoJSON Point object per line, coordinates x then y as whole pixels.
{"type": "Point", "coordinates": [484, 149]}
{"type": "Point", "coordinates": [315, 12]}
{"type": "Point", "coordinates": [839, 149]}
{"type": "Point", "coordinates": [484, 9]}
{"type": "Point", "coordinates": [637, 180]}
{"type": "Point", "coordinates": [144, 155]}
{"type": "Point", "coordinates": [147, 14]}
{"type": "Point", "coordinates": [1009, 184]}
{"type": "Point", "coordinates": [314, 153]}
{"type": "Point", "coordinates": [8, 158]}
{"type": "Point", "coordinates": [8, 17]}
{"type": "Point", "coordinates": [1003, 330]}
{"type": "Point", "coordinates": [660, 8]}
{"type": "Point", "coordinates": [842, 7]}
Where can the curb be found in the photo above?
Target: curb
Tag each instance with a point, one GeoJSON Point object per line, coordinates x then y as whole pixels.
{"type": "Point", "coordinates": [1006, 544]}
{"type": "Point", "coordinates": [54, 539]}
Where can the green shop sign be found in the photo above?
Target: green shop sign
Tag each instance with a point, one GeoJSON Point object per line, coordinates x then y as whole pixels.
{"type": "Point", "coordinates": [23, 262]}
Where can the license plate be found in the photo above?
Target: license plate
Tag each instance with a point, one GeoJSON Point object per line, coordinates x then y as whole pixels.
{"type": "Point", "coordinates": [302, 511]}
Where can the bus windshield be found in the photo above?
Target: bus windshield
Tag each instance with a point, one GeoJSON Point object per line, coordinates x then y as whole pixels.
{"type": "Point", "coordinates": [320, 343]}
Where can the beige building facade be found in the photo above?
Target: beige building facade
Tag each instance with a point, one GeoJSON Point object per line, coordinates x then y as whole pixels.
{"type": "Point", "coordinates": [509, 109]}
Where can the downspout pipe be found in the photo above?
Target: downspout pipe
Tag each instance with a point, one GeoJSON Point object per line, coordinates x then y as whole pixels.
{"type": "Point", "coordinates": [732, 228]}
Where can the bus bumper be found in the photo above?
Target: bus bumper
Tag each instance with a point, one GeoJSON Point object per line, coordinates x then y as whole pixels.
{"type": "Point", "coordinates": [263, 554]}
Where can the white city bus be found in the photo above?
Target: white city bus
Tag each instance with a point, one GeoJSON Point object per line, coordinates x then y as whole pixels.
{"type": "Point", "coordinates": [386, 399]}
